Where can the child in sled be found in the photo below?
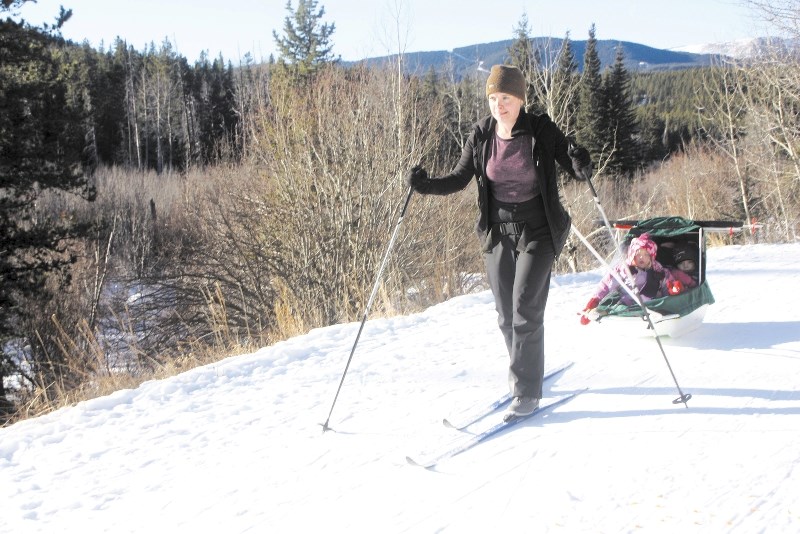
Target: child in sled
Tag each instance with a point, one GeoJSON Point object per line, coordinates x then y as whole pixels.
{"type": "Point", "coordinates": [684, 268]}
{"type": "Point", "coordinates": [641, 270]}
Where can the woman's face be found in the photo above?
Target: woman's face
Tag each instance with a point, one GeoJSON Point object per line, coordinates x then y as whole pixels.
{"type": "Point", "coordinates": [505, 107]}
{"type": "Point", "coordinates": [642, 259]}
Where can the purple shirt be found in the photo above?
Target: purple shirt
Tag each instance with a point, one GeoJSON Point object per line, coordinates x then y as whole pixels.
{"type": "Point", "coordinates": [510, 169]}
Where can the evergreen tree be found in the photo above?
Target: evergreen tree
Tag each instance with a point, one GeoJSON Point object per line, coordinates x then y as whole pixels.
{"type": "Point", "coordinates": [44, 147]}
{"type": "Point", "coordinates": [521, 54]}
{"type": "Point", "coordinates": [215, 103]}
{"type": "Point", "coordinates": [621, 118]}
{"type": "Point", "coordinates": [666, 108]}
{"type": "Point", "coordinates": [591, 113]}
{"type": "Point", "coordinates": [306, 44]}
{"type": "Point", "coordinates": [107, 89]}
{"type": "Point", "coordinates": [653, 135]}
{"type": "Point", "coordinates": [431, 85]}
{"type": "Point", "coordinates": [566, 75]}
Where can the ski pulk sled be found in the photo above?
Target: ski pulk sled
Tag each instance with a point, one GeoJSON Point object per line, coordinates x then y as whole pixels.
{"type": "Point", "coordinates": [672, 315]}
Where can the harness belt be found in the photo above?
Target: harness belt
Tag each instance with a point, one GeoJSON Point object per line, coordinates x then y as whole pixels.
{"type": "Point", "coordinates": [509, 228]}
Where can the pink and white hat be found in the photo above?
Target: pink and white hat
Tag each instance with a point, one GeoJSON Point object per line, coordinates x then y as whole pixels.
{"type": "Point", "coordinates": [641, 242]}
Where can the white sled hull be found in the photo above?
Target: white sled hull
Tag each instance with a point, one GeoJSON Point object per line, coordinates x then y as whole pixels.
{"type": "Point", "coordinates": [665, 325]}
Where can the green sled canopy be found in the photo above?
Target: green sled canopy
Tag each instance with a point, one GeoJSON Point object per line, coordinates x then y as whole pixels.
{"type": "Point", "coordinates": [681, 305]}
{"type": "Point", "coordinates": [669, 232]}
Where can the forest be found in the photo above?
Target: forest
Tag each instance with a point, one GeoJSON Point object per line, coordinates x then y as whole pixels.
{"type": "Point", "coordinates": [158, 215]}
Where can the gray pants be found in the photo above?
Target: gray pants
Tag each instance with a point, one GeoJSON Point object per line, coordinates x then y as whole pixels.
{"type": "Point", "coordinates": [520, 282]}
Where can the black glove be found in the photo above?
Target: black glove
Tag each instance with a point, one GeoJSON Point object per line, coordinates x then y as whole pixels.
{"type": "Point", "coordinates": [581, 161]}
{"type": "Point", "coordinates": [416, 177]}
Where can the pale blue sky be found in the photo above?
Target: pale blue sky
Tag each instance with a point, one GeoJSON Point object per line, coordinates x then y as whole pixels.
{"type": "Point", "coordinates": [367, 28]}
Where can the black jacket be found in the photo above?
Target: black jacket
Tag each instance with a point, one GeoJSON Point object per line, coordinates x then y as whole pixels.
{"type": "Point", "coordinates": [549, 145]}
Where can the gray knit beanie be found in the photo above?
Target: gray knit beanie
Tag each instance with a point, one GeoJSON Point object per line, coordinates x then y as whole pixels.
{"type": "Point", "coordinates": [506, 79]}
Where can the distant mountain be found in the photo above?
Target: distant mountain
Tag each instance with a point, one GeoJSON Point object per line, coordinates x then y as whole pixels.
{"type": "Point", "coordinates": [480, 57]}
{"type": "Point", "coordinates": [742, 48]}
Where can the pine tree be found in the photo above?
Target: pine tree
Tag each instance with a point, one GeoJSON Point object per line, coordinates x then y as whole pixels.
{"type": "Point", "coordinates": [213, 94]}
{"type": "Point", "coordinates": [306, 44]}
{"type": "Point", "coordinates": [620, 117]}
{"type": "Point", "coordinates": [107, 87]}
{"type": "Point", "coordinates": [44, 146]}
{"type": "Point", "coordinates": [653, 135]}
{"type": "Point", "coordinates": [430, 84]}
{"type": "Point", "coordinates": [522, 55]}
{"type": "Point", "coordinates": [565, 76]}
{"type": "Point", "coordinates": [591, 114]}
{"type": "Point", "coordinates": [666, 106]}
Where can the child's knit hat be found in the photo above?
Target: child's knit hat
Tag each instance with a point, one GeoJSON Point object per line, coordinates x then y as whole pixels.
{"type": "Point", "coordinates": [685, 252]}
{"type": "Point", "coordinates": [641, 242]}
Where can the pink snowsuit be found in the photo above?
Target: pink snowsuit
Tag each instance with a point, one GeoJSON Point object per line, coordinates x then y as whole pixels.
{"type": "Point", "coordinates": [650, 283]}
{"type": "Point", "coordinates": [683, 278]}
{"type": "Point", "coordinates": [659, 278]}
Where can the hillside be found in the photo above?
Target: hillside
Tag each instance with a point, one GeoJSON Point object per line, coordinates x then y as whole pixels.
{"type": "Point", "coordinates": [479, 56]}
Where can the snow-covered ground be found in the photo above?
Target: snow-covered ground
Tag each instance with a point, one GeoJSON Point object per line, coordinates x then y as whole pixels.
{"type": "Point", "coordinates": [238, 447]}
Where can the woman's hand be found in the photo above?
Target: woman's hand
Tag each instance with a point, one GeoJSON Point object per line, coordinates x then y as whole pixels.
{"type": "Point", "coordinates": [581, 162]}
{"type": "Point", "coordinates": [416, 177]}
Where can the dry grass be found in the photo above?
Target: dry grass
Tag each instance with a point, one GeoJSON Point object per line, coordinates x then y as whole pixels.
{"type": "Point", "coordinates": [100, 378]}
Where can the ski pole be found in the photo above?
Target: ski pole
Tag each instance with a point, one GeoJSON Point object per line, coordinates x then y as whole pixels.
{"type": "Point", "coordinates": [684, 397]}
{"type": "Point", "coordinates": [325, 426]}
{"type": "Point", "coordinates": [598, 204]}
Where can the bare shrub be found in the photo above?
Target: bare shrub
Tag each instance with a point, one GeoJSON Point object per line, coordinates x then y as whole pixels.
{"type": "Point", "coordinates": [699, 184]}
{"type": "Point", "coordinates": [773, 148]}
{"type": "Point", "coordinates": [334, 154]}
{"type": "Point", "coordinates": [752, 112]}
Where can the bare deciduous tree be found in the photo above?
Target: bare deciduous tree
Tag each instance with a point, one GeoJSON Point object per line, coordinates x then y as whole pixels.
{"type": "Point", "coordinates": [723, 110]}
{"type": "Point", "coordinates": [334, 154]}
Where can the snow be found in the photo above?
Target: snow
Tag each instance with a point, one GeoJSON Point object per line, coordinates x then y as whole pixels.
{"type": "Point", "coordinates": [238, 447]}
{"type": "Point", "coordinates": [739, 48]}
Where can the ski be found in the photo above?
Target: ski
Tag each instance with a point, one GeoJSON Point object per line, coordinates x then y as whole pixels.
{"type": "Point", "coordinates": [432, 461]}
{"type": "Point", "coordinates": [474, 416]}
